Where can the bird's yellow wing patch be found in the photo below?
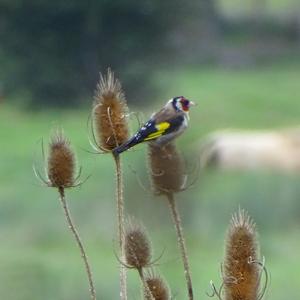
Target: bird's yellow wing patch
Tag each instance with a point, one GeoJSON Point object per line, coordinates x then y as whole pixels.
{"type": "Point", "coordinates": [161, 128]}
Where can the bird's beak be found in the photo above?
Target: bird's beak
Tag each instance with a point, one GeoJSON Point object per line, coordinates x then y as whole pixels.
{"type": "Point", "coordinates": [192, 103]}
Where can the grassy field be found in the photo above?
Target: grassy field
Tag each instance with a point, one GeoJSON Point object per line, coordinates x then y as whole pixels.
{"type": "Point", "coordinates": [38, 258]}
{"type": "Point", "coordinates": [235, 8]}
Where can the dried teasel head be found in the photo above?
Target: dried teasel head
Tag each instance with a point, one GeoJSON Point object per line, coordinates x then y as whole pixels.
{"type": "Point", "coordinates": [158, 288]}
{"type": "Point", "coordinates": [241, 268]}
{"type": "Point", "coordinates": [137, 246]}
{"type": "Point", "coordinates": [167, 169]}
{"type": "Point", "coordinates": [110, 113]}
{"type": "Point", "coordinates": [61, 162]}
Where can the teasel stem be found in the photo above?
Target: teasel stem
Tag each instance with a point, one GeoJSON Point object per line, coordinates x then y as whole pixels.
{"type": "Point", "coordinates": [138, 252]}
{"type": "Point", "coordinates": [121, 224]}
{"type": "Point", "coordinates": [144, 282]}
{"type": "Point", "coordinates": [110, 120]}
{"type": "Point", "coordinates": [181, 242]}
{"type": "Point", "coordinates": [168, 176]}
{"type": "Point", "coordinates": [78, 241]}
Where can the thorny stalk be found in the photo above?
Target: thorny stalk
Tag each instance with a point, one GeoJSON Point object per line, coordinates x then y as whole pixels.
{"type": "Point", "coordinates": [181, 243]}
{"type": "Point", "coordinates": [144, 282]}
{"type": "Point", "coordinates": [121, 222]}
{"type": "Point", "coordinates": [78, 241]}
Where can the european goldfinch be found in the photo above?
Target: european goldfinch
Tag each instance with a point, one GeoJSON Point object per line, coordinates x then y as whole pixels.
{"type": "Point", "coordinates": [163, 126]}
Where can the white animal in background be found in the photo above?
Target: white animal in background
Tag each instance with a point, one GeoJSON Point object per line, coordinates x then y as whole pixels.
{"type": "Point", "coordinates": [250, 150]}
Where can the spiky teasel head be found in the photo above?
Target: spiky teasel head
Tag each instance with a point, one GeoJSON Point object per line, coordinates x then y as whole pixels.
{"type": "Point", "coordinates": [61, 162]}
{"type": "Point", "coordinates": [137, 246]}
{"type": "Point", "coordinates": [158, 288]}
{"type": "Point", "coordinates": [167, 169]}
{"type": "Point", "coordinates": [241, 267]}
{"type": "Point", "coordinates": [110, 113]}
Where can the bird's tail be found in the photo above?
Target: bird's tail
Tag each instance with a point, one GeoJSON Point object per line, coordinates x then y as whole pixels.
{"type": "Point", "coordinates": [127, 145]}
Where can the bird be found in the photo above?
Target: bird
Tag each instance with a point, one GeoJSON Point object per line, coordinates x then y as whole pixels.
{"type": "Point", "coordinates": [163, 127]}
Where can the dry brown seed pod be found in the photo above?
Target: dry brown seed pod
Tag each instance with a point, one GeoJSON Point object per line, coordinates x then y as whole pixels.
{"type": "Point", "coordinates": [111, 130]}
{"type": "Point", "coordinates": [241, 273]}
{"type": "Point", "coordinates": [167, 169]}
{"type": "Point", "coordinates": [137, 246]}
{"type": "Point", "coordinates": [61, 162]}
{"type": "Point", "coordinates": [157, 287]}
{"type": "Point", "coordinates": [110, 113]}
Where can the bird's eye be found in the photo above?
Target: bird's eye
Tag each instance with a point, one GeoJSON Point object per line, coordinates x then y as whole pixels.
{"type": "Point", "coordinates": [185, 102]}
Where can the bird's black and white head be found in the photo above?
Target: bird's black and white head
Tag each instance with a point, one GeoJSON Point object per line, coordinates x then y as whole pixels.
{"type": "Point", "coordinates": [181, 104]}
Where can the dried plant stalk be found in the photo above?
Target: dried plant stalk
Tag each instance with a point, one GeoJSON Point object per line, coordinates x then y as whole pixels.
{"type": "Point", "coordinates": [181, 243]}
{"type": "Point", "coordinates": [60, 171]}
{"type": "Point", "coordinates": [137, 250]}
{"type": "Point", "coordinates": [241, 273]}
{"type": "Point", "coordinates": [121, 222]}
{"type": "Point", "coordinates": [146, 288]}
{"type": "Point", "coordinates": [168, 177]}
{"type": "Point", "coordinates": [110, 120]}
{"type": "Point", "coordinates": [79, 243]}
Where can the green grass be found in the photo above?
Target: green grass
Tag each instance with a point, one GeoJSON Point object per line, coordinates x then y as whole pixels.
{"type": "Point", "coordinates": [256, 98]}
{"type": "Point", "coordinates": [38, 257]}
{"type": "Point", "coordinates": [238, 8]}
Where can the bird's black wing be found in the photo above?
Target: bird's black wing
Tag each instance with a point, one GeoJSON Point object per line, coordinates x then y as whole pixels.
{"type": "Point", "coordinates": [151, 131]}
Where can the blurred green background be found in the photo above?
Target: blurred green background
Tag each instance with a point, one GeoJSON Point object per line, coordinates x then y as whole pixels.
{"type": "Point", "coordinates": [239, 61]}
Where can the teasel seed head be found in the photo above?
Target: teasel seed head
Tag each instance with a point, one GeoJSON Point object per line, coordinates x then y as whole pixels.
{"type": "Point", "coordinates": [110, 113]}
{"type": "Point", "coordinates": [241, 270]}
{"type": "Point", "coordinates": [137, 246]}
{"type": "Point", "coordinates": [158, 288]}
{"type": "Point", "coordinates": [167, 169]}
{"type": "Point", "coordinates": [61, 162]}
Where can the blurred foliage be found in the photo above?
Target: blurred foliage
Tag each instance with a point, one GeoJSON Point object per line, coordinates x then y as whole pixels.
{"type": "Point", "coordinates": [55, 49]}
{"type": "Point", "coordinates": [51, 52]}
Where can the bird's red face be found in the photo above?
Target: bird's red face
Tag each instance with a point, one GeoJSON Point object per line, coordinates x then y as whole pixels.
{"type": "Point", "coordinates": [182, 104]}
{"type": "Point", "coordinates": [185, 104]}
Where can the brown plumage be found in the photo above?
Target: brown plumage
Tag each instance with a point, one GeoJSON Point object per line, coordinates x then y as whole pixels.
{"type": "Point", "coordinates": [61, 162]}
{"type": "Point", "coordinates": [137, 246]}
{"type": "Point", "coordinates": [241, 271]}
{"type": "Point", "coordinates": [157, 287]}
{"type": "Point", "coordinates": [166, 169]}
{"type": "Point", "coordinates": [167, 112]}
{"type": "Point", "coordinates": [109, 113]}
